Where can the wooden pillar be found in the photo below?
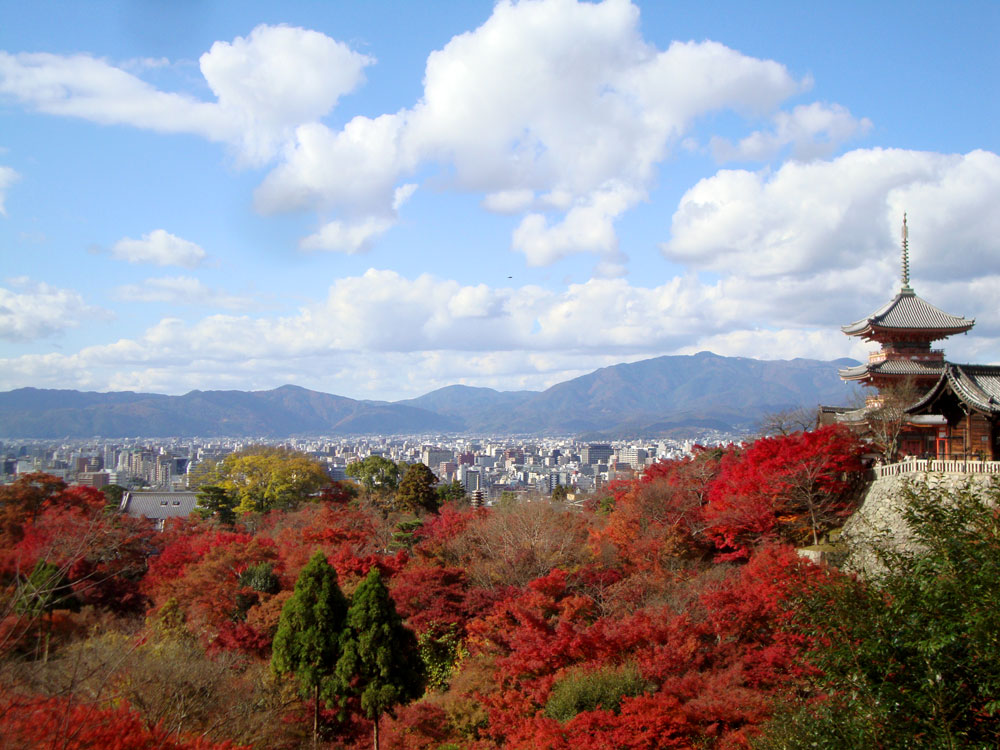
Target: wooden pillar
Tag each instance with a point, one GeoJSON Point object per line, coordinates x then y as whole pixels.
{"type": "Point", "coordinates": [968, 434]}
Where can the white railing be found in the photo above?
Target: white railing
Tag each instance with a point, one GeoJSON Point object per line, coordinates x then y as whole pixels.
{"type": "Point", "coordinates": [912, 466]}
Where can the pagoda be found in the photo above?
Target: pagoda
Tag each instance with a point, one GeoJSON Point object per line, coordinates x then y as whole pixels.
{"type": "Point", "coordinates": [905, 327]}
{"type": "Point", "coordinates": [956, 410]}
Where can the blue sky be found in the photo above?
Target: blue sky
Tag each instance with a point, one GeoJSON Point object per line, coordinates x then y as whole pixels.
{"type": "Point", "coordinates": [376, 199]}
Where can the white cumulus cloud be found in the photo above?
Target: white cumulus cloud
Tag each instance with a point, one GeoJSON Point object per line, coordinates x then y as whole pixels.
{"type": "Point", "coordinates": [279, 77]}
{"type": "Point", "coordinates": [265, 84]}
{"type": "Point", "coordinates": [382, 334]}
{"type": "Point", "coordinates": [93, 89]}
{"type": "Point", "coordinates": [348, 237]}
{"type": "Point", "coordinates": [8, 176]}
{"type": "Point", "coordinates": [180, 290]}
{"type": "Point", "coordinates": [812, 130]}
{"type": "Point", "coordinates": [540, 109]}
{"type": "Point", "coordinates": [844, 213]}
{"type": "Point", "coordinates": [32, 310]}
{"type": "Point", "coordinates": [550, 98]}
{"type": "Point", "coordinates": [160, 248]}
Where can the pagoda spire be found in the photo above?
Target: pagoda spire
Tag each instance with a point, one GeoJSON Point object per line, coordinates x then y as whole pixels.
{"type": "Point", "coordinates": [906, 257]}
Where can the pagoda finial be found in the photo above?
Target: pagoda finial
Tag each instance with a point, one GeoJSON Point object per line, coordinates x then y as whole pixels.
{"type": "Point", "coordinates": [906, 255]}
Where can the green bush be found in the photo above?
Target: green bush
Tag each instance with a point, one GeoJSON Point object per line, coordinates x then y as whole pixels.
{"type": "Point", "coordinates": [261, 577]}
{"type": "Point", "coordinates": [909, 658]}
{"type": "Point", "coordinates": [588, 690]}
{"type": "Point", "coordinates": [440, 655]}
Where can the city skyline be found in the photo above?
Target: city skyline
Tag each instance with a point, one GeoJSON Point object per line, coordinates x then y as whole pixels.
{"type": "Point", "coordinates": [375, 199]}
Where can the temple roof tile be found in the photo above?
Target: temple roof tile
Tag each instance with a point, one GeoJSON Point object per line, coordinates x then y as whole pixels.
{"type": "Point", "coordinates": [901, 367]}
{"type": "Point", "coordinates": [908, 312]}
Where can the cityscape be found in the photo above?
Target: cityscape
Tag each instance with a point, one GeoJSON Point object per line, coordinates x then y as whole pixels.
{"type": "Point", "coordinates": [485, 467]}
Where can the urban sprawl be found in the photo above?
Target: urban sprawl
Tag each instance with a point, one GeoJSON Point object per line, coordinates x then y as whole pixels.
{"type": "Point", "coordinates": [485, 467]}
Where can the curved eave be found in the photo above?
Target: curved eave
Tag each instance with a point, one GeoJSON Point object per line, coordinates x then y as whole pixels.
{"type": "Point", "coordinates": [858, 372]}
{"type": "Point", "coordinates": [909, 313]}
{"type": "Point", "coordinates": [972, 385]}
{"type": "Point", "coordinates": [931, 396]}
{"type": "Point", "coordinates": [870, 330]}
{"type": "Point", "coordinates": [977, 386]}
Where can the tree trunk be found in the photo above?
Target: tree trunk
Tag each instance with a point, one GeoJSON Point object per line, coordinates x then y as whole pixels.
{"type": "Point", "coordinates": [377, 717]}
{"type": "Point", "coordinates": [315, 715]}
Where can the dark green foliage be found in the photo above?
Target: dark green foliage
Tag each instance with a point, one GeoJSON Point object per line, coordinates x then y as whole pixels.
{"type": "Point", "coordinates": [218, 502]}
{"type": "Point", "coordinates": [308, 641]}
{"type": "Point", "coordinates": [440, 655]}
{"type": "Point", "coordinates": [589, 690]}
{"type": "Point", "coordinates": [912, 658]}
{"type": "Point", "coordinates": [450, 492]}
{"type": "Point", "coordinates": [559, 493]}
{"type": "Point", "coordinates": [376, 473]}
{"type": "Point", "coordinates": [256, 579]}
{"type": "Point", "coordinates": [417, 490]}
{"type": "Point", "coordinates": [261, 577]}
{"type": "Point", "coordinates": [402, 537]}
{"type": "Point", "coordinates": [47, 588]}
{"type": "Point", "coordinates": [113, 493]}
{"type": "Point", "coordinates": [381, 657]}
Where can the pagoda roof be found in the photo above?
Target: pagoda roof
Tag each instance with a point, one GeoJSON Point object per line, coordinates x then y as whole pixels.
{"type": "Point", "coordinates": [893, 367]}
{"type": "Point", "coordinates": [977, 386]}
{"type": "Point", "coordinates": [908, 312]}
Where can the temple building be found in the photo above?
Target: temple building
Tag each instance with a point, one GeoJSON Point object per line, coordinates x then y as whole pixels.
{"type": "Point", "coordinates": [955, 409]}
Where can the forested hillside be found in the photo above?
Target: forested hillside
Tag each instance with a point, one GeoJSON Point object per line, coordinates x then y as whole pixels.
{"type": "Point", "coordinates": [660, 396]}
{"type": "Point", "coordinates": [669, 611]}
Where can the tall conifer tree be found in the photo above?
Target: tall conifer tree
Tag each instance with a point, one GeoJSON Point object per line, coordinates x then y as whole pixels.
{"type": "Point", "coordinates": [417, 491]}
{"type": "Point", "coordinates": [310, 632]}
{"type": "Point", "coordinates": [380, 657]}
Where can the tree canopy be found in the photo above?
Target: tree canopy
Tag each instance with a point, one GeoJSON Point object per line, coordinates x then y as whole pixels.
{"type": "Point", "coordinates": [417, 490]}
{"type": "Point", "coordinates": [309, 638]}
{"type": "Point", "coordinates": [265, 478]}
{"type": "Point", "coordinates": [216, 502]}
{"type": "Point", "coordinates": [381, 658]}
{"type": "Point", "coordinates": [376, 473]}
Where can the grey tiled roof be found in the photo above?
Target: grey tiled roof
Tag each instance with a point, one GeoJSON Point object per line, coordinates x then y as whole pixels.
{"type": "Point", "coordinates": [901, 367]}
{"type": "Point", "coordinates": [977, 386]}
{"type": "Point", "coordinates": [158, 505]}
{"type": "Point", "coordinates": [853, 416]}
{"type": "Point", "coordinates": [907, 311]}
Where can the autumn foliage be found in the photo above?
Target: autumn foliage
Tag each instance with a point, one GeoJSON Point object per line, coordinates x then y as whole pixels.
{"type": "Point", "coordinates": [655, 617]}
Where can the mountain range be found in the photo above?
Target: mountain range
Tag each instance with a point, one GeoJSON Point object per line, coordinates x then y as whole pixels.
{"type": "Point", "coordinates": [671, 395]}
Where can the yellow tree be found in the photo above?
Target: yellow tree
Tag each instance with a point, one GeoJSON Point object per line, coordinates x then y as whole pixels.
{"type": "Point", "coordinates": [264, 478]}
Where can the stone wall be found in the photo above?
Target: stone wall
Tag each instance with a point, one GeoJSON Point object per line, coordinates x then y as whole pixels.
{"type": "Point", "coordinates": [880, 520]}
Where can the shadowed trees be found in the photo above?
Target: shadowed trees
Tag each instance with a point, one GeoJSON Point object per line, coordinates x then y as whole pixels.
{"type": "Point", "coordinates": [417, 490]}
{"type": "Point", "coordinates": [310, 634]}
{"type": "Point", "coordinates": [380, 659]}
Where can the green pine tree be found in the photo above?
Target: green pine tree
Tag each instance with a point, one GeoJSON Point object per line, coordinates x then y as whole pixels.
{"type": "Point", "coordinates": [380, 657]}
{"type": "Point", "coordinates": [214, 500]}
{"type": "Point", "coordinates": [417, 490]}
{"type": "Point", "coordinates": [46, 589]}
{"type": "Point", "coordinates": [310, 633]}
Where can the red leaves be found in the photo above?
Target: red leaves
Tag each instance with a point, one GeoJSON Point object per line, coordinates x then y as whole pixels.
{"type": "Point", "coordinates": [792, 487]}
{"type": "Point", "coordinates": [57, 723]}
{"type": "Point", "coordinates": [657, 518]}
{"type": "Point", "coordinates": [432, 599]}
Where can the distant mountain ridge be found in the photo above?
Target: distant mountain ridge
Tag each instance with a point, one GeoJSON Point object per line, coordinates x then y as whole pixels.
{"type": "Point", "coordinates": [653, 397]}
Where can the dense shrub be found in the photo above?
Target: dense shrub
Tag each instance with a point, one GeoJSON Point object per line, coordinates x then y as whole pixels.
{"type": "Point", "coordinates": [588, 690]}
